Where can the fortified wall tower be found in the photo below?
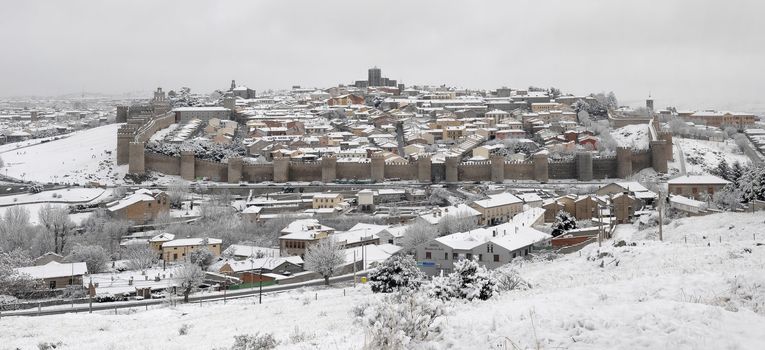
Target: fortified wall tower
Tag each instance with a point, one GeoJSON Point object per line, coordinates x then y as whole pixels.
{"type": "Point", "coordinates": [452, 170]}
{"type": "Point", "coordinates": [328, 168]}
{"type": "Point", "coordinates": [584, 166]}
{"type": "Point", "coordinates": [378, 167]}
{"type": "Point", "coordinates": [541, 166]}
{"type": "Point", "coordinates": [623, 162]}
{"type": "Point", "coordinates": [234, 170]}
{"type": "Point", "coordinates": [497, 168]}
{"type": "Point", "coordinates": [424, 169]}
{"type": "Point", "coordinates": [281, 169]}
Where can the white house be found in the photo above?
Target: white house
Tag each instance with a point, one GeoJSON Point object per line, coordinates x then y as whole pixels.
{"type": "Point", "coordinates": [491, 246]}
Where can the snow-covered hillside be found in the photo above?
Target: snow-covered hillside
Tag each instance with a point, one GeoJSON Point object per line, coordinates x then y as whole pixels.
{"type": "Point", "coordinates": [633, 136]}
{"type": "Point", "coordinates": [708, 293]}
{"type": "Point", "coordinates": [79, 158]}
{"type": "Point", "coordinates": [701, 155]}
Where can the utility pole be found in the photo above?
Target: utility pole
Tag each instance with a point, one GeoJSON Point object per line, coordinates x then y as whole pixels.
{"type": "Point", "coordinates": [661, 218]}
{"type": "Point", "coordinates": [600, 224]}
{"type": "Point", "coordinates": [260, 286]}
{"type": "Point", "coordinates": [354, 268]}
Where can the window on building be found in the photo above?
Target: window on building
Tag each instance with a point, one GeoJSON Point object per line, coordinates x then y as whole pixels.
{"type": "Point", "coordinates": [427, 255]}
{"type": "Point", "coordinates": [496, 257]}
{"type": "Point", "coordinates": [469, 256]}
{"type": "Point", "coordinates": [446, 256]}
{"type": "Point", "coordinates": [52, 284]}
{"type": "Point", "coordinates": [455, 256]}
{"type": "Point", "coordinates": [480, 257]}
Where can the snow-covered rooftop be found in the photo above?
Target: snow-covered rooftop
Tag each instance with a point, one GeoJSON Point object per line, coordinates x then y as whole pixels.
{"type": "Point", "coordinates": [54, 269]}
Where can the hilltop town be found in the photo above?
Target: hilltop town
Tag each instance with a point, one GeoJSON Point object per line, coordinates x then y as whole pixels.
{"type": "Point", "coordinates": [500, 206]}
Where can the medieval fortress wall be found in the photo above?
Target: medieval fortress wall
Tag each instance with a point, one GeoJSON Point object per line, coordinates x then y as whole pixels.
{"type": "Point", "coordinates": [585, 166]}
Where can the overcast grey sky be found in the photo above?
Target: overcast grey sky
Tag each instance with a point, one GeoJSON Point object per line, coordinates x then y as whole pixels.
{"type": "Point", "coordinates": [692, 54]}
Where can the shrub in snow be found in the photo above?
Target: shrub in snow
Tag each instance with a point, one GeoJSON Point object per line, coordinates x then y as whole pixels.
{"type": "Point", "coordinates": [397, 272]}
{"type": "Point", "coordinates": [403, 320]}
{"type": "Point", "coordinates": [297, 336]}
{"type": "Point", "coordinates": [468, 281]}
{"type": "Point", "coordinates": [49, 346]}
{"type": "Point", "coordinates": [509, 279]}
{"type": "Point", "coordinates": [255, 341]}
{"type": "Point", "coordinates": [184, 329]}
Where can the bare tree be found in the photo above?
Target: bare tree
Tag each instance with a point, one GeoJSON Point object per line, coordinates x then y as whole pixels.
{"type": "Point", "coordinates": [456, 223]}
{"type": "Point", "coordinates": [324, 258]}
{"type": "Point", "coordinates": [189, 276]}
{"type": "Point", "coordinates": [418, 233]}
{"type": "Point", "coordinates": [140, 257]}
{"type": "Point", "coordinates": [177, 192]}
{"type": "Point", "coordinates": [15, 229]}
{"type": "Point", "coordinates": [95, 257]}
{"type": "Point", "coordinates": [56, 221]}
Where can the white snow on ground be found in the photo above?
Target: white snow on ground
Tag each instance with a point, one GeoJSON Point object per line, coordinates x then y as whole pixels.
{"type": "Point", "coordinates": [160, 135]}
{"type": "Point", "coordinates": [78, 158]}
{"type": "Point", "coordinates": [633, 136]}
{"type": "Point", "coordinates": [703, 294]}
{"type": "Point", "coordinates": [701, 155]}
{"type": "Point", "coordinates": [68, 195]}
{"type": "Point", "coordinates": [22, 144]}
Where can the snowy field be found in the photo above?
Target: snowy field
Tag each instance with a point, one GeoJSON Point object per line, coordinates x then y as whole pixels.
{"type": "Point", "coordinates": [67, 195]}
{"type": "Point", "coordinates": [701, 155]}
{"type": "Point", "coordinates": [708, 293]}
{"type": "Point", "coordinates": [79, 158]}
{"type": "Point", "coordinates": [633, 136]}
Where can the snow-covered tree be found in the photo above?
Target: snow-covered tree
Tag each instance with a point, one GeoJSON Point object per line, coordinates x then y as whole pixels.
{"type": "Point", "coordinates": [189, 276]}
{"type": "Point", "coordinates": [468, 281]}
{"type": "Point", "coordinates": [202, 256]}
{"type": "Point", "coordinates": [563, 223]}
{"type": "Point", "coordinates": [456, 223]}
{"type": "Point", "coordinates": [722, 170]}
{"type": "Point", "coordinates": [12, 283]}
{"type": "Point", "coordinates": [397, 272]}
{"type": "Point", "coordinates": [15, 228]}
{"type": "Point", "coordinates": [140, 257]}
{"type": "Point", "coordinates": [752, 183]}
{"type": "Point", "coordinates": [418, 233]}
{"type": "Point", "coordinates": [95, 257]}
{"type": "Point", "coordinates": [55, 220]}
{"type": "Point", "coordinates": [324, 258]}
{"type": "Point", "coordinates": [177, 192]}
{"type": "Point", "coordinates": [736, 171]}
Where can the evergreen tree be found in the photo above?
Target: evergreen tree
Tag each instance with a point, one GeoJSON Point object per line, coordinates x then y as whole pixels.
{"type": "Point", "coordinates": [468, 281]}
{"type": "Point", "coordinates": [736, 171]}
{"type": "Point", "coordinates": [398, 272]}
{"type": "Point", "coordinates": [752, 184]}
{"type": "Point", "coordinates": [722, 170]}
{"type": "Point", "coordinates": [563, 223]}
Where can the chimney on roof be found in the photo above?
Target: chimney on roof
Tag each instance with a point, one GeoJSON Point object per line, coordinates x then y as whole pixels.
{"type": "Point", "coordinates": [494, 233]}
